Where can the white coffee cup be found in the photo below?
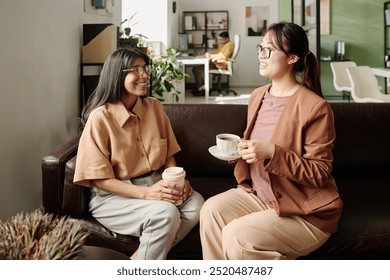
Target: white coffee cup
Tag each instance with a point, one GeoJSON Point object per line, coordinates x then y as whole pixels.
{"type": "Point", "coordinates": [227, 143]}
{"type": "Point", "coordinates": [175, 175]}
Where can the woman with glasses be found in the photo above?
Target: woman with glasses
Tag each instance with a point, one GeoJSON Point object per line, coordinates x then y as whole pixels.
{"type": "Point", "coordinates": [126, 142]}
{"type": "Point", "coordinates": [287, 203]}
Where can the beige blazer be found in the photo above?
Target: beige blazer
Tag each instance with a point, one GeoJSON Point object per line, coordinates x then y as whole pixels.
{"type": "Point", "coordinates": [300, 170]}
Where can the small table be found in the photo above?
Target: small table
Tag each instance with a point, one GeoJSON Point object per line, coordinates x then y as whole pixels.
{"type": "Point", "coordinates": [193, 60]}
{"type": "Point", "coordinates": [381, 71]}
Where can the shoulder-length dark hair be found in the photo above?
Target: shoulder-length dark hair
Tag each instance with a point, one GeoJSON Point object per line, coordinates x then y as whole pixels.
{"type": "Point", "coordinates": [110, 88]}
{"type": "Point", "coordinates": [292, 40]}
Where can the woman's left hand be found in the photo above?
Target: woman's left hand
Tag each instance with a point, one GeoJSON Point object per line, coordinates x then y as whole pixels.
{"type": "Point", "coordinates": [255, 150]}
{"type": "Point", "coordinates": [187, 190]}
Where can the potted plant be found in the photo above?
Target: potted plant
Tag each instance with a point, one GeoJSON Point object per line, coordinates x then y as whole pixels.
{"type": "Point", "coordinates": [41, 236]}
{"type": "Point", "coordinates": [125, 36]}
{"type": "Point", "coordinates": [167, 73]}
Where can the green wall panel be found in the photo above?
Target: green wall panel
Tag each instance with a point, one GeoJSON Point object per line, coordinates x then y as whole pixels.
{"type": "Point", "coordinates": [360, 25]}
{"type": "Point", "coordinates": [285, 10]}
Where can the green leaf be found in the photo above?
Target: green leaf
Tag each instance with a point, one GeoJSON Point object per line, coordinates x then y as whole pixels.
{"type": "Point", "coordinates": [167, 86]}
{"type": "Point", "coordinates": [166, 71]}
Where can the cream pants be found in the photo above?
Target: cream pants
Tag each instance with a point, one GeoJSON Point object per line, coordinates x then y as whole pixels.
{"type": "Point", "coordinates": [160, 225]}
{"type": "Point", "coordinates": [236, 225]}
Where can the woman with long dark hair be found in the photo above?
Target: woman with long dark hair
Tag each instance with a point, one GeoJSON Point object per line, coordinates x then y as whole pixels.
{"type": "Point", "coordinates": [287, 203]}
{"type": "Point", "coordinates": [126, 143]}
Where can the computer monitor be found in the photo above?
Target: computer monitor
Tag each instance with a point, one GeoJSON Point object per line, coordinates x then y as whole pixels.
{"type": "Point", "coordinates": [183, 42]}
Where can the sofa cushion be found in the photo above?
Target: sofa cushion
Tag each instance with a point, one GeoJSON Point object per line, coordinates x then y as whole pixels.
{"type": "Point", "coordinates": [195, 128]}
{"type": "Point", "coordinates": [103, 237]}
{"type": "Point", "coordinates": [362, 138]}
{"type": "Point", "coordinates": [364, 228]}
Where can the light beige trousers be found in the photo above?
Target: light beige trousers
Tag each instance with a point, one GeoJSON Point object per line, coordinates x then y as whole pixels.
{"type": "Point", "coordinates": [160, 225]}
{"type": "Point", "coordinates": [236, 225]}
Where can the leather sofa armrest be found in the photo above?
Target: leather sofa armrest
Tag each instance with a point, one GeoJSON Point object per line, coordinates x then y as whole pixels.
{"type": "Point", "coordinates": [53, 173]}
{"type": "Point", "coordinates": [75, 198]}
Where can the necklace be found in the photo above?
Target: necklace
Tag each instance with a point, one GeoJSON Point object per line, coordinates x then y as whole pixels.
{"type": "Point", "coordinates": [291, 91]}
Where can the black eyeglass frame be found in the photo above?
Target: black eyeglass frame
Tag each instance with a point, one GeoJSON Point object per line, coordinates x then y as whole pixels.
{"type": "Point", "coordinates": [264, 51]}
{"type": "Point", "coordinates": [139, 70]}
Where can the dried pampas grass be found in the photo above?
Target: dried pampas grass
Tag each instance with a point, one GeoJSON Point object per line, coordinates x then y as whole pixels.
{"type": "Point", "coordinates": [39, 236]}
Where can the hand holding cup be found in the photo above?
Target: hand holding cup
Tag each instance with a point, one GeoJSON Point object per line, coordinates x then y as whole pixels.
{"type": "Point", "coordinates": [175, 175]}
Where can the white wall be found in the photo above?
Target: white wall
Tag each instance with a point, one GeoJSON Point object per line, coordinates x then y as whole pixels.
{"type": "Point", "coordinates": [154, 19]}
{"type": "Point", "coordinates": [39, 74]}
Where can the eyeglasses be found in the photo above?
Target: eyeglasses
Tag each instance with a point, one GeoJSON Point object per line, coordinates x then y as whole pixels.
{"type": "Point", "coordinates": [264, 51]}
{"type": "Point", "coordinates": [139, 70]}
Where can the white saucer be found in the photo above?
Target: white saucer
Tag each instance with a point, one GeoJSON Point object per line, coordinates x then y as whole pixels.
{"type": "Point", "coordinates": [216, 153]}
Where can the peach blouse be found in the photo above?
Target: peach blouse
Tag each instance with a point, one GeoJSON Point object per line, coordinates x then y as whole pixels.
{"type": "Point", "coordinates": [116, 143]}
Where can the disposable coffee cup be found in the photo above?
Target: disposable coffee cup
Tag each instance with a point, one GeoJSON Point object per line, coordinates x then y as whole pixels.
{"type": "Point", "coordinates": [175, 175]}
{"type": "Point", "coordinates": [227, 143]}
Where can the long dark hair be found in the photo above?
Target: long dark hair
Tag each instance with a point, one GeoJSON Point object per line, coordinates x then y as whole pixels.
{"type": "Point", "coordinates": [110, 88]}
{"type": "Point", "coordinates": [292, 40]}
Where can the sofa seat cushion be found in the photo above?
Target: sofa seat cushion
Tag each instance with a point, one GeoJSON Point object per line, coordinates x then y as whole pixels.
{"type": "Point", "coordinates": [361, 234]}
{"type": "Point", "coordinates": [100, 253]}
{"type": "Point", "coordinates": [103, 237]}
{"type": "Point", "coordinates": [210, 186]}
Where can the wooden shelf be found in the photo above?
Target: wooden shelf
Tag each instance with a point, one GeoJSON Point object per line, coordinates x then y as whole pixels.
{"type": "Point", "coordinates": [202, 25]}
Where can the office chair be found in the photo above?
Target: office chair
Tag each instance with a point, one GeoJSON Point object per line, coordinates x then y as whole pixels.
{"type": "Point", "coordinates": [340, 78]}
{"type": "Point", "coordinates": [364, 85]}
{"type": "Point", "coordinates": [218, 73]}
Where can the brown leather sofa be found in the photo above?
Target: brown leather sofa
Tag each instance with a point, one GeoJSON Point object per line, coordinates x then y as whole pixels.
{"type": "Point", "coordinates": [361, 170]}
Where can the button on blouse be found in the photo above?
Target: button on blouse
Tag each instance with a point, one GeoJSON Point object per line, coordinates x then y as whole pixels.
{"type": "Point", "coordinates": [267, 118]}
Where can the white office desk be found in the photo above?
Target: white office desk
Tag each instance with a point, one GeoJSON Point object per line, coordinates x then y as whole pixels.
{"type": "Point", "coordinates": [198, 61]}
{"type": "Point", "coordinates": [381, 71]}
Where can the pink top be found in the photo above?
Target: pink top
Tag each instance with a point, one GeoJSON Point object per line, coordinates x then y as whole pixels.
{"type": "Point", "coordinates": [266, 120]}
